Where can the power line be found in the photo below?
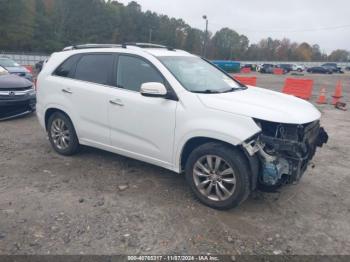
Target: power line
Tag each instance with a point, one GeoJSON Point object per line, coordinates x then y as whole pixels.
{"type": "Point", "coordinates": [288, 31]}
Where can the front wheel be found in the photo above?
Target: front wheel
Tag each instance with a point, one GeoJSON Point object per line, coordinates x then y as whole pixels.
{"type": "Point", "coordinates": [218, 175]}
{"type": "Point", "coordinates": [62, 134]}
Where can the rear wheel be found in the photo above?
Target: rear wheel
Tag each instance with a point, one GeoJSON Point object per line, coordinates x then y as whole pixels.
{"type": "Point", "coordinates": [62, 134]}
{"type": "Point", "coordinates": [218, 175]}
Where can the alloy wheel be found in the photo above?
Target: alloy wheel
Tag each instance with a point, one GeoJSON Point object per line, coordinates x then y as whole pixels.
{"type": "Point", "coordinates": [60, 134]}
{"type": "Point", "coordinates": [214, 178]}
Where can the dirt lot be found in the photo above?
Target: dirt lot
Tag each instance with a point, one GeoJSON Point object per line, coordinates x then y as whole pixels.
{"type": "Point", "coordinates": [100, 203]}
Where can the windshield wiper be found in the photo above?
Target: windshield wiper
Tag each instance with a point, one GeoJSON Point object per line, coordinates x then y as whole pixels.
{"type": "Point", "coordinates": [233, 89]}
{"type": "Point", "coordinates": [230, 90]}
{"type": "Point", "coordinates": [207, 91]}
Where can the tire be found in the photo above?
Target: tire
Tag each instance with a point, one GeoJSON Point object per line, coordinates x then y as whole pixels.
{"type": "Point", "coordinates": [237, 183]}
{"type": "Point", "coordinates": [62, 135]}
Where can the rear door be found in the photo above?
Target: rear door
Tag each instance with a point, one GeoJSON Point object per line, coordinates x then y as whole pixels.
{"type": "Point", "coordinates": [93, 79]}
{"type": "Point", "coordinates": [88, 91]}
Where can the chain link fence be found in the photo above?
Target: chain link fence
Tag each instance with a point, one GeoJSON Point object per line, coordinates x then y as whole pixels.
{"type": "Point", "coordinates": [306, 64]}
{"type": "Point", "coordinates": [24, 58]}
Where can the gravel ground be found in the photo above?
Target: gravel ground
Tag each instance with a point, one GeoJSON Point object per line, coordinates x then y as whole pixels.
{"type": "Point", "coordinates": [101, 203]}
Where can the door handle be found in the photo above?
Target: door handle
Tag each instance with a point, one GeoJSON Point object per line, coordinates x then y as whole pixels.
{"type": "Point", "coordinates": [67, 91]}
{"type": "Point", "coordinates": [116, 102]}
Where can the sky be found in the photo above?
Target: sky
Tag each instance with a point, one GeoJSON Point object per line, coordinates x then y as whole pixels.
{"type": "Point", "coordinates": [323, 22]}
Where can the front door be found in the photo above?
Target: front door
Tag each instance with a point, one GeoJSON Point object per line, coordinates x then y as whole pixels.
{"type": "Point", "coordinates": [141, 127]}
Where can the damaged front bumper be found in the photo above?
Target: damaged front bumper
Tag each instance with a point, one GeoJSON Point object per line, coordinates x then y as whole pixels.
{"type": "Point", "coordinates": [284, 150]}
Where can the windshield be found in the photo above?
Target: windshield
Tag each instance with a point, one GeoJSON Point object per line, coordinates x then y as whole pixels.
{"type": "Point", "coordinates": [199, 76]}
{"type": "Point", "coordinates": [5, 62]}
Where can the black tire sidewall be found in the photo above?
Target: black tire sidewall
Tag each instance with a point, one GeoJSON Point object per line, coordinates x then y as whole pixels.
{"type": "Point", "coordinates": [235, 159]}
{"type": "Point", "coordinates": [73, 144]}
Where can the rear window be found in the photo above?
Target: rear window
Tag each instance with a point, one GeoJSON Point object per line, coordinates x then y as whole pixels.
{"type": "Point", "coordinates": [66, 69]}
{"type": "Point", "coordinates": [95, 68]}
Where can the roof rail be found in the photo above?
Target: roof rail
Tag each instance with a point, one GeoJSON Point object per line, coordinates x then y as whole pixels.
{"type": "Point", "coordinates": [149, 45]}
{"type": "Point", "coordinates": [86, 46]}
{"type": "Point", "coordinates": [124, 45]}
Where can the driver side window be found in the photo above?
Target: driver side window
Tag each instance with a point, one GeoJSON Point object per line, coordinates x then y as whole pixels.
{"type": "Point", "coordinates": [132, 72]}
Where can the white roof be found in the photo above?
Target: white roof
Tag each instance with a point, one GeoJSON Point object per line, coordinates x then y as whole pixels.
{"type": "Point", "coordinates": [133, 50]}
{"type": "Point", "coordinates": [164, 52]}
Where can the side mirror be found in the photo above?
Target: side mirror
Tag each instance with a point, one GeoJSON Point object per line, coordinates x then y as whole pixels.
{"type": "Point", "coordinates": [153, 89]}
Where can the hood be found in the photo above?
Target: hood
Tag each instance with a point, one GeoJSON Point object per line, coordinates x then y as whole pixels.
{"type": "Point", "coordinates": [263, 104]}
{"type": "Point", "coordinates": [13, 81]}
{"type": "Point", "coordinates": [16, 69]}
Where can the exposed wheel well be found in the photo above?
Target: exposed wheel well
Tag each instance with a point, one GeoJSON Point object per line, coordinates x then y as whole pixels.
{"type": "Point", "coordinates": [193, 143]}
{"type": "Point", "coordinates": [50, 112]}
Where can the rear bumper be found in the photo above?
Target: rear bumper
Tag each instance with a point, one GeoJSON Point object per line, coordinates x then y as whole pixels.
{"type": "Point", "coordinates": [11, 108]}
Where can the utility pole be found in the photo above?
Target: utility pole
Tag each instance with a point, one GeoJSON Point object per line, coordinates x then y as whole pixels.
{"type": "Point", "coordinates": [206, 36]}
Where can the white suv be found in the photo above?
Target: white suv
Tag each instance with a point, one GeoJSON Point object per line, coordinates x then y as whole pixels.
{"type": "Point", "coordinates": [178, 111]}
{"type": "Point", "coordinates": [299, 68]}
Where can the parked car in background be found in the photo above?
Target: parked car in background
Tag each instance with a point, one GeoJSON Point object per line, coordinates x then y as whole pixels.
{"type": "Point", "coordinates": [258, 67]}
{"type": "Point", "coordinates": [319, 70]}
{"type": "Point", "coordinates": [14, 68]}
{"type": "Point", "coordinates": [176, 110]}
{"type": "Point", "coordinates": [333, 67]}
{"type": "Point", "coordinates": [286, 67]}
{"type": "Point", "coordinates": [347, 68]}
{"type": "Point", "coordinates": [17, 95]}
{"type": "Point", "coordinates": [250, 66]}
{"type": "Point", "coordinates": [266, 68]}
{"type": "Point", "coordinates": [298, 68]}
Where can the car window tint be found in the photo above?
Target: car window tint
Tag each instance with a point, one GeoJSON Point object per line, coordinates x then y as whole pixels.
{"type": "Point", "coordinates": [95, 68]}
{"type": "Point", "coordinates": [66, 69]}
{"type": "Point", "coordinates": [132, 72]}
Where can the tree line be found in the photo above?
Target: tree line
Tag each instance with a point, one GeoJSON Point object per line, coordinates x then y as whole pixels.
{"type": "Point", "coordinates": [49, 25]}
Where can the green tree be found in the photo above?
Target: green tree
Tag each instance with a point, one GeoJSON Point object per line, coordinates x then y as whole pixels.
{"type": "Point", "coordinates": [304, 52]}
{"type": "Point", "coordinates": [16, 24]}
{"type": "Point", "coordinates": [340, 55]}
{"type": "Point", "coordinates": [228, 44]}
{"type": "Point", "coordinates": [49, 25]}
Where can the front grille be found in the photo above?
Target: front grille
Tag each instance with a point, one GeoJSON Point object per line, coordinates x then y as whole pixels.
{"type": "Point", "coordinates": [16, 93]}
{"type": "Point", "coordinates": [16, 88]}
